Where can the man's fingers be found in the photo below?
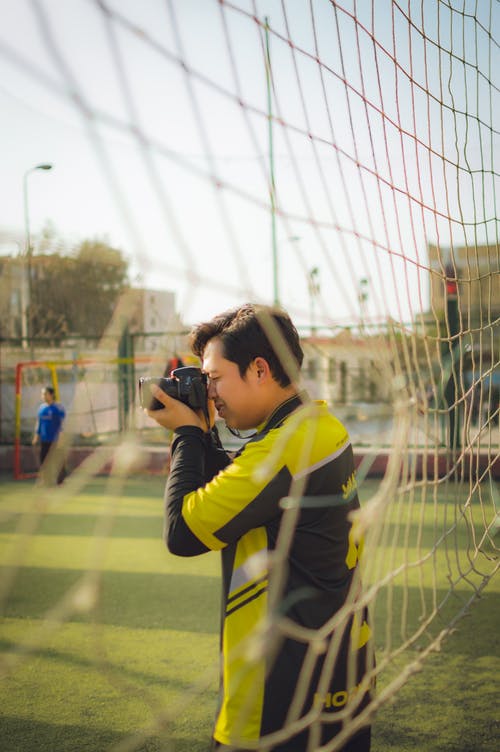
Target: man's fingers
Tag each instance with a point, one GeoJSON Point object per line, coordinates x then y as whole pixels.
{"type": "Point", "coordinates": [159, 394]}
{"type": "Point", "coordinates": [174, 413]}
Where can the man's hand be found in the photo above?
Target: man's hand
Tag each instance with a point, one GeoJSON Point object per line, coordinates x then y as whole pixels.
{"type": "Point", "coordinates": [34, 441]}
{"type": "Point", "coordinates": [175, 413]}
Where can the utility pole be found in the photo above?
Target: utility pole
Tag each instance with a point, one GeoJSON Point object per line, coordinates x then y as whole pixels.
{"type": "Point", "coordinates": [272, 185]}
{"type": "Point", "coordinates": [314, 289]}
{"type": "Point", "coordinates": [362, 299]}
{"type": "Point", "coordinates": [26, 332]}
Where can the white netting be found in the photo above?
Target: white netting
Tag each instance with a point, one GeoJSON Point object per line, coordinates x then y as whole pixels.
{"type": "Point", "coordinates": [338, 158]}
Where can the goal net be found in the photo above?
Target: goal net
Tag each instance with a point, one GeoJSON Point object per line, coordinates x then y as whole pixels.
{"type": "Point", "coordinates": [338, 159]}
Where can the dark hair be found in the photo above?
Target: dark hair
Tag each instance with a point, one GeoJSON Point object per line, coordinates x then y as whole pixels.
{"type": "Point", "coordinates": [251, 331]}
{"type": "Point", "coordinates": [50, 390]}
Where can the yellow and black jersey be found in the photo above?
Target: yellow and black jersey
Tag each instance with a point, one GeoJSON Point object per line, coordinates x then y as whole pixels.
{"type": "Point", "coordinates": [293, 482]}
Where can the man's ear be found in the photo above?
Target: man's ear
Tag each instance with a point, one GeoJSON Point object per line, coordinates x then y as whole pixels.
{"type": "Point", "coordinates": [261, 368]}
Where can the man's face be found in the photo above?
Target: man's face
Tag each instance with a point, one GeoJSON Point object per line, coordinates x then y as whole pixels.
{"type": "Point", "coordinates": [236, 399]}
{"type": "Point", "coordinates": [47, 397]}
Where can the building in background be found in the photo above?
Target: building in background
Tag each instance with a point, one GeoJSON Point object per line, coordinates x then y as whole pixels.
{"type": "Point", "coordinates": [476, 272]}
{"type": "Point", "coordinates": [347, 369]}
{"type": "Point", "coordinates": [465, 306]}
{"type": "Point", "coordinates": [13, 295]}
{"type": "Point", "coordinates": [153, 315]}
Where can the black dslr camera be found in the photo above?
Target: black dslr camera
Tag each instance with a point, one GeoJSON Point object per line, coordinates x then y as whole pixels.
{"type": "Point", "coordinates": [187, 384]}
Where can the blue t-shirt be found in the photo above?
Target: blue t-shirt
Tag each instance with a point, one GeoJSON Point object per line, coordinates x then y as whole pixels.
{"type": "Point", "coordinates": [50, 418]}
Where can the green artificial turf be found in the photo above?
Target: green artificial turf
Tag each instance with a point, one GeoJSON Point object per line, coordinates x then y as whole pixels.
{"type": "Point", "coordinates": [110, 643]}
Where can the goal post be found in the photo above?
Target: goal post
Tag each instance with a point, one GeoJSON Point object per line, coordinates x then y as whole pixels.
{"type": "Point", "coordinates": [99, 396]}
{"type": "Point", "coordinates": [19, 473]}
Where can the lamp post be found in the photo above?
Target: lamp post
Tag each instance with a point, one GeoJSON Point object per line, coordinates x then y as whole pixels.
{"type": "Point", "coordinates": [26, 288]}
{"type": "Point", "coordinates": [362, 298]}
{"type": "Point", "coordinates": [313, 283]}
{"type": "Point", "coordinates": [272, 183]}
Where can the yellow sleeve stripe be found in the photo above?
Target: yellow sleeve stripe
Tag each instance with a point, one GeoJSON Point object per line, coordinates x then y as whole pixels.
{"type": "Point", "coordinates": [200, 530]}
{"type": "Point", "coordinates": [212, 507]}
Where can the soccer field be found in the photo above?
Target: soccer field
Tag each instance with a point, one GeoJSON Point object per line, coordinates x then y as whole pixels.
{"type": "Point", "coordinates": [110, 643]}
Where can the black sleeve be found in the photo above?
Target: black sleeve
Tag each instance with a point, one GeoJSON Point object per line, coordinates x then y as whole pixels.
{"type": "Point", "coordinates": [194, 461]}
{"type": "Point", "coordinates": [216, 458]}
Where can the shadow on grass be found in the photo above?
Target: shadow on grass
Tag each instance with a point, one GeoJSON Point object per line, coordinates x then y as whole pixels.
{"type": "Point", "coordinates": [150, 486]}
{"type": "Point", "coordinates": [130, 526]}
{"type": "Point", "coordinates": [190, 603]}
{"type": "Point", "coordinates": [24, 735]}
{"type": "Point", "coordinates": [187, 603]}
{"type": "Point", "coordinates": [118, 675]}
{"type": "Point", "coordinates": [455, 536]}
{"type": "Point", "coordinates": [402, 614]}
{"type": "Point", "coordinates": [450, 706]}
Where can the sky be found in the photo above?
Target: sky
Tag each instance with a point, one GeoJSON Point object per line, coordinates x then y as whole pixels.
{"type": "Point", "coordinates": [154, 115]}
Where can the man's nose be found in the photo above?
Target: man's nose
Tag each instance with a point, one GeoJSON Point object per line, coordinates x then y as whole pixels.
{"type": "Point", "coordinates": [211, 390]}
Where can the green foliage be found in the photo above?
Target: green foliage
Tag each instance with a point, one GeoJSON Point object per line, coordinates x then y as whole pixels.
{"type": "Point", "coordinates": [75, 293]}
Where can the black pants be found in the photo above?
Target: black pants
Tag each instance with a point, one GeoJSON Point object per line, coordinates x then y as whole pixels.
{"type": "Point", "coordinates": [44, 450]}
{"type": "Point", "coordinates": [47, 460]}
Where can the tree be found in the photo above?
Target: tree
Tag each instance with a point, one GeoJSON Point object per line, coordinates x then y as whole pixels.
{"type": "Point", "coordinates": [75, 293]}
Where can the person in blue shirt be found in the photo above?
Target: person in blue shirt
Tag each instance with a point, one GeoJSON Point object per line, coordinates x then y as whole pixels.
{"type": "Point", "coordinates": [50, 418]}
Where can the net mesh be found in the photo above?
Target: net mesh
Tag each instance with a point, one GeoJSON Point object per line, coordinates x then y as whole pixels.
{"type": "Point", "coordinates": [337, 159]}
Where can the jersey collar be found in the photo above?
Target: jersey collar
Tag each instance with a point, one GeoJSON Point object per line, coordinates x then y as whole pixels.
{"type": "Point", "coordinates": [280, 413]}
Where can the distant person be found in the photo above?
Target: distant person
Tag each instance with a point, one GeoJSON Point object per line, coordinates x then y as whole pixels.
{"type": "Point", "coordinates": [50, 419]}
{"type": "Point", "coordinates": [172, 364]}
{"type": "Point", "coordinates": [494, 404]}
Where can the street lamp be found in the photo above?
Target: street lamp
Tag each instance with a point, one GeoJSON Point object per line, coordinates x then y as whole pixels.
{"type": "Point", "coordinates": [362, 298]}
{"type": "Point", "coordinates": [26, 289]}
{"type": "Point", "coordinates": [313, 283]}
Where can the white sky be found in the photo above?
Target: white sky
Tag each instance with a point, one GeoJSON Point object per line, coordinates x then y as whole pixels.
{"type": "Point", "coordinates": [154, 117]}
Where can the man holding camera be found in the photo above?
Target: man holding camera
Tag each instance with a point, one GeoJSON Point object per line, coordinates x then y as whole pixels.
{"type": "Point", "coordinates": [297, 651]}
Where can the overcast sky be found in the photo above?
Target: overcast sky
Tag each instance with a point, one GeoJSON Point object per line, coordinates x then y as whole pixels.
{"type": "Point", "coordinates": [154, 116]}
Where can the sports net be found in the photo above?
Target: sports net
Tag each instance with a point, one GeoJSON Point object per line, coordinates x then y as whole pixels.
{"type": "Point", "coordinates": [337, 158]}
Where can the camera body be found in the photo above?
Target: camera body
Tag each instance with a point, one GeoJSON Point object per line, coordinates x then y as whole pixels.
{"type": "Point", "coordinates": [187, 384]}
